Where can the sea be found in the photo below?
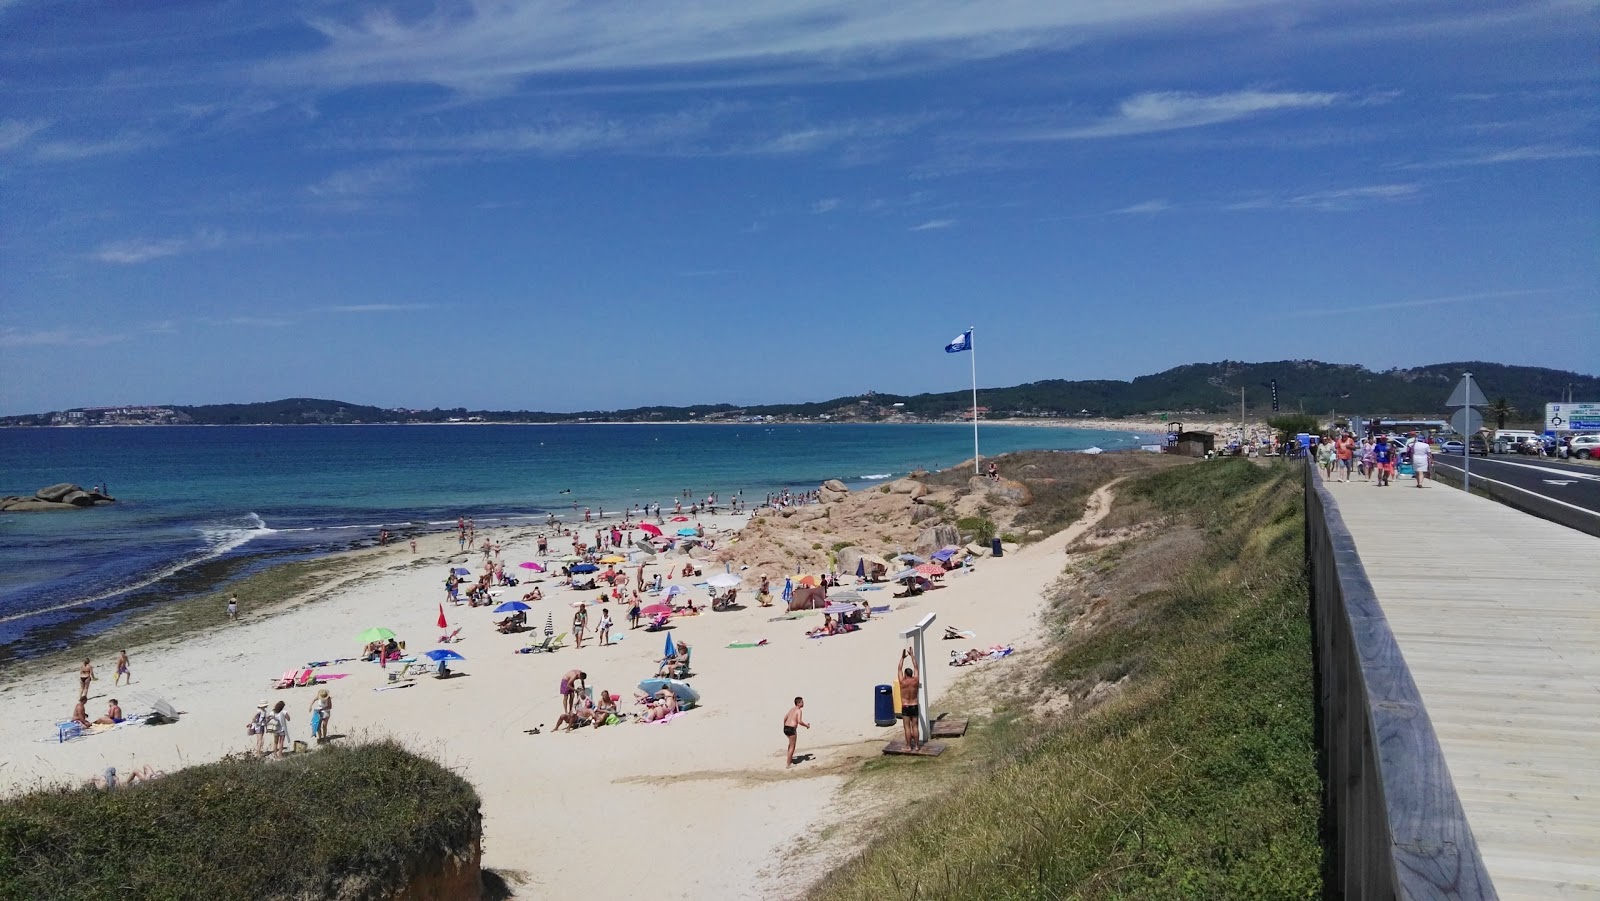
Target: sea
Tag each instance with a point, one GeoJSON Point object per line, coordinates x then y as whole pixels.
{"type": "Point", "coordinates": [200, 506]}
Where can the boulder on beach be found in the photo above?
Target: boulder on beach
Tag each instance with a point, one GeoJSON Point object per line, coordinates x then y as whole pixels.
{"type": "Point", "coordinates": [1002, 490]}
{"type": "Point", "coordinates": [941, 535]}
{"type": "Point", "coordinates": [65, 496]}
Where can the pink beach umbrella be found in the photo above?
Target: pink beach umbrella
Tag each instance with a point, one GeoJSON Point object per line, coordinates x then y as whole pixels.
{"type": "Point", "coordinates": [536, 567]}
{"type": "Point", "coordinates": [930, 569]}
{"type": "Point", "coordinates": [656, 610]}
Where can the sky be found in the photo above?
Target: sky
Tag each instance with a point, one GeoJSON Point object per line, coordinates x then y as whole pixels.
{"type": "Point", "coordinates": [595, 205]}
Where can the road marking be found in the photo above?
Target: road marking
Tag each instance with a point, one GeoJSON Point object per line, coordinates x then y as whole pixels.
{"type": "Point", "coordinates": [1544, 497]}
{"type": "Point", "coordinates": [1561, 481]}
{"type": "Point", "coordinates": [1551, 470]}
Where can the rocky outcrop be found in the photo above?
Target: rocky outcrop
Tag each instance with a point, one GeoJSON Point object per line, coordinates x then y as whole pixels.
{"type": "Point", "coordinates": [65, 496]}
{"type": "Point", "coordinates": [833, 491]}
{"type": "Point", "coordinates": [941, 535]}
{"type": "Point", "coordinates": [1003, 491]}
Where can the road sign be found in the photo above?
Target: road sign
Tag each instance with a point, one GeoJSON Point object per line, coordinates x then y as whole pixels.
{"type": "Point", "coordinates": [1467, 421]}
{"type": "Point", "coordinates": [1571, 417]}
{"type": "Point", "coordinates": [1467, 394]}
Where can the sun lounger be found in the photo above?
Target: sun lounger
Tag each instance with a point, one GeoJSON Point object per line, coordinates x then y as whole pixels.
{"type": "Point", "coordinates": [307, 677]}
{"type": "Point", "coordinates": [540, 647]}
{"type": "Point", "coordinates": [284, 681]}
{"type": "Point", "coordinates": [452, 637]}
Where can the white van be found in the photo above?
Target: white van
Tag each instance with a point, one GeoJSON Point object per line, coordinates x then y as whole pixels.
{"type": "Point", "coordinates": [1507, 441]}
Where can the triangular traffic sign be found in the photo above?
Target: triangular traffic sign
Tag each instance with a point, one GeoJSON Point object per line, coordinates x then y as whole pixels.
{"type": "Point", "coordinates": [1467, 394]}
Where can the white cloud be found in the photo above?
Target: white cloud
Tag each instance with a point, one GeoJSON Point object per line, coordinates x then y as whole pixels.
{"type": "Point", "coordinates": [1173, 110]}
{"type": "Point", "coordinates": [1147, 208]}
{"type": "Point", "coordinates": [1334, 200]}
{"type": "Point", "coordinates": [16, 132]}
{"type": "Point", "coordinates": [1535, 153]}
{"type": "Point", "coordinates": [69, 150]}
{"type": "Point", "coordinates": [60, 337]}
{"type": "Point", "coordinates": [143, 250]}
{"type": "Point", "coordinates": [485, 46]}
{"type": "Point", "coordinates": [1448, 300]}
{"type": "Point", "coordinates": [933, 224]}
{"type": "Point", "coordinates": [383, 177]}
{"type": "Point", "coordinates": [826, 205]}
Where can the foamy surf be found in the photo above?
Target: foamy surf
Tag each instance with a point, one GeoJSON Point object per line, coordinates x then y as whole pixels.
{"type": "Point", "coordinates": [877, 476]}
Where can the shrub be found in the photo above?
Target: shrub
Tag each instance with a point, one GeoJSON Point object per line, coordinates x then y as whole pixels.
{"type": "Point", "coordinates": [334, 822]}
{"type": "Point", "coordinates": [981, 528]}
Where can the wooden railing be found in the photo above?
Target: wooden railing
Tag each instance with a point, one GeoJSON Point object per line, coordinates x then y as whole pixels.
{"type": "Point", "coordinates": [1393, 824]}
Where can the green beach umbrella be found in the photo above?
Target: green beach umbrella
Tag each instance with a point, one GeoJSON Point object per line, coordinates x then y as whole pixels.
{"type": "Point", "coordinates": [376, 634]}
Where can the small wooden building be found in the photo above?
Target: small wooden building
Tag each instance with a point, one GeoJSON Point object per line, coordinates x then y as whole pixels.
{"type": "Point", "coordinates": [1193, 444]}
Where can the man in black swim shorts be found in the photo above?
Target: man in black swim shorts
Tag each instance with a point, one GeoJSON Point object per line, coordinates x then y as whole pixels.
{"type": "Point", "coordinates": [911, 701]}
{"type": "Point", "coordinates": [791, 721]}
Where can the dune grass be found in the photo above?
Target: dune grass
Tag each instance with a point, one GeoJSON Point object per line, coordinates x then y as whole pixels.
{"type": "Point", "coordinates": [1191, 771]}
{"type": "Point", "coordinates": [342, 822]}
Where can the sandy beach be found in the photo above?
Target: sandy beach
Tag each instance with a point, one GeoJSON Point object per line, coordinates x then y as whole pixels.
{"type": "Point", "coordinates": [706, 794]}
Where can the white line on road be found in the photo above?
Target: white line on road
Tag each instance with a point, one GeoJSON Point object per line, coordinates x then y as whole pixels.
{"type": "Point", "coordinates": [1536, 494]}
{"type": "Point", "coordinates": [1565, 473]}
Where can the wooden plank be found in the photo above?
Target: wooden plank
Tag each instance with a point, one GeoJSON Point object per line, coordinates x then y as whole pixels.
{"type": "Point", "coordinates": [930, 749]}
{"type": "Point", "coordinates": [950, 727]}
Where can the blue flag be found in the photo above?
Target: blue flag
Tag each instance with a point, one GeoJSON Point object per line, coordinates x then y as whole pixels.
{"type": "Point", "coordinates": [962, 342]}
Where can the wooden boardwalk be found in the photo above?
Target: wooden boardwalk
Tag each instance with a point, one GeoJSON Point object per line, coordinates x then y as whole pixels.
{"type": "Point", "coordinates": [1497, 614]}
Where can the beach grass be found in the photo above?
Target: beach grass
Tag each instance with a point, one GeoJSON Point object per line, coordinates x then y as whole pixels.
{"type": "Point", "coordinates": [356, 822]}
{"type": "Point", "coordinates": [1184, 765]}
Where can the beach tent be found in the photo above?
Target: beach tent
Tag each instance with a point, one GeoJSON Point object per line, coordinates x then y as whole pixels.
{"type": "Point", "coordinates": [674, 591]}
{"type": "Point", "coordinates": [510, 607]}
{"type": "Point", "coordinates": [808, 599]}
{"type": "Point", "coordinates": [723, 580]}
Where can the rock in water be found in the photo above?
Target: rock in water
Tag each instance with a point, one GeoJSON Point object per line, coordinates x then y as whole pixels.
{"type": "Point", "coordinates": [56, 492]}
{"type": "Point", "coordinates": [65, 496]}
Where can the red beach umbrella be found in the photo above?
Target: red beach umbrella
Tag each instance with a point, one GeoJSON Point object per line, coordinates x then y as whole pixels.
{"type": "Point", "coordinates": [807, 581]}
{"type": "Point", "coordinates": [656, 609]}
{"type": "Point", "coordinates": [650, 529]}
{"type": "Point", "coordinates": [679, 519]}
{"type": "Point", "coordinates": [443, 623]}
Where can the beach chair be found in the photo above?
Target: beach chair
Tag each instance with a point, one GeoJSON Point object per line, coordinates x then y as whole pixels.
{"type": "Point", "coordinates": [68, 731]}
{"type": "Point", "coordinates": [452, 637]}
{"type": "Point", "coordinates": [557, 641]}
{"type": "Point", "coordinates": [681, 670]}
{"type": "Point", "coordinates": [284, 681]}
{"type": "Point", "coordinates": [541, 647]}
{"type": "Point", "coordinates": [306, 677]}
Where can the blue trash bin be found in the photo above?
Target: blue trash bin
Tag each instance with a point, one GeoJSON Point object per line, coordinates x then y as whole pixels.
{"type": "Point", "coordinates": [995, 549]}
{"type": "Point", "coordinates": [883, 706]}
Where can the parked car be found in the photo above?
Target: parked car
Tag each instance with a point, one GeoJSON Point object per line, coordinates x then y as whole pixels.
{"type": "Point", "coordinates": [1584, 447]}
{"type": "Point", "coordinates": [1480, 448]}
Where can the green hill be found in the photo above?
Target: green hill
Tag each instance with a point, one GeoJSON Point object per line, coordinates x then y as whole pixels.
{"type": "Point", "coordinates": [1197, 388]}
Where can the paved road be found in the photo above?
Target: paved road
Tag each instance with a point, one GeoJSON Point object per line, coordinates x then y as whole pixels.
{"type": "Point", "coordinates": [1566, 492]}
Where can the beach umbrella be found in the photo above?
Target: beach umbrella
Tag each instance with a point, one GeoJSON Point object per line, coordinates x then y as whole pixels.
{"type": "Point", "coordinates": [687, 533]}
{"type": "Point", "coordinates": [442, 654]}
{"type": "Point", "coordinates": [945, 554]}
{"type": "Point", "coordinates": [679, 519]}
{"type": "Point", "coordinates": [550, 624]}
{"type": "Point", "coordinates": [462, 571]}
{"type": "Point", "coordinates": [650, 529]}
{"type": "Point", "coordinates": [861, 568]}
{"type": "Point", "coordinates": [510, 607]}
{"type": "Point", "coordinates": [930, 569]}
{"type": "Point", "coordinates": [443, 623]}
{"type": "Point", "coordinates": [585, 568]}
{"type": "Point", "coordinates": [840, 608]}
{"type": "Point", "coordinates": [807, 582]}
{"type": "Point", "coordinates": [904, 574]}
{"type": "Point", "coordinates": [723, 580]}
{"type": "Point", "coordinates": [656, 610]}
{"type": "Point", "coordinates": [375, 634]}
{"type": "Point", "coordinates": [847, 597]}
{"type": "Point", "coordinates": [788, 590]}
{"type": "Point", "coordinates": [670, 649]}
{"type": "Point", "coordinates": [536, 567]}
{"type": "Point", "coordinates": [613, 558]}
{"type": "Point", "coordinates": [570, 558]}
{"type": "Point", "coordinates": [674, 591]}
{"type": "Point", "coordinates": [910, 558]}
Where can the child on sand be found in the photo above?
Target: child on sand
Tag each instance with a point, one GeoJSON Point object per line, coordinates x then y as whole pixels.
{"type": "Point", "coordinates": [791, 721]}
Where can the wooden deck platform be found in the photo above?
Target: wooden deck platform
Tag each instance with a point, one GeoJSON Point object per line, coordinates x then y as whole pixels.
{"type": "Point", "coordinates": [1497, 614]}
{"type": "Point", "coordinates": [928, 749]}
{"type": "Point", "coordinates": [950, 727]}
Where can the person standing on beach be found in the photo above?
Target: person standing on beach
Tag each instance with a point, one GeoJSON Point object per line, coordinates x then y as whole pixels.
{"type": "Point", "coordinates": [764, 593]}
{"type": "Point", "coordinates": [85, 676]}
{"type": "Point", "coordinates": [580, 620]}
{"type": "Point", "coordinates": [233, 607]}
{"type": "Point", "coordinates": [278, 725]}
{"type": "Point", "coordinates": [321, 712]}
{"type": "Point", "coordinates": [572, 683]}
{"type": "Point", "coordinates": [258, 726]}
{"type": "Point", "coordinates": [910, 701]}
{"type": "Point", "coordinates": [123, 671]}
{"type": "Point", "coordinates": [791, 723]}
{"type": "Point", "coordinates": [605, 626]}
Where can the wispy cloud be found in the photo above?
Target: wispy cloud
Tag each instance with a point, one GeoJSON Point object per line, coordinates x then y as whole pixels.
{"type": "Point", "coordinates": [388, 176]}
{"type": "Point", "coordinates": [60, 337]}
{"type": "Point", "coordinates": [1333, 200]}
{"type": "Point", "coordinates": [827, 205]}
{"type": "Point", "coordinates": [933, 225]}
{"type": "Point", "coordinates": [68, 150]}
{"type": "Point", "coordinates": [132, 251]}
{"type": "Point", "coordinates": [1173, 110]}
{"type": "Point", "coordinates": [1448, 300]}
{"type": "Point", "coordinates": [16, 132]}
{"type": "Point", "coordinates": [1529, 154]}
{"type": "Point", "coordinates": [1147, 208]}
{"type": "Point", "coordinates": [375, 308]}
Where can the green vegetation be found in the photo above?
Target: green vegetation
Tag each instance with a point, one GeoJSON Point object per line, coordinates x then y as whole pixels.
{"type": "Point", "coordinates": [1291, 424]}
{"type": "Point", "coordinates": [351, 822]}
{"type": "Point", "coordinates": [1205, 388]}
{"type": "Point", "coordinates": [1185, 766]}
{"type": "Point", "coordinates": [980, 528]}
{"type": "Point", "coordinates": [1501, 410]}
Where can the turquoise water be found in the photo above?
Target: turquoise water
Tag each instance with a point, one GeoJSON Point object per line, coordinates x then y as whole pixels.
{"type": "Point", "coordinates": [191, 497]}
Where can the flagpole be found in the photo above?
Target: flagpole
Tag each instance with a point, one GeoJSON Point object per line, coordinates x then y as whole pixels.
{"type": "Point", "coordinates": [976, 466]}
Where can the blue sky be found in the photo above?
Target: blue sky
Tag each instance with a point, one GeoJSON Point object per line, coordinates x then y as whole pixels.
{"type": "Point", "coordinates": [565, 205]}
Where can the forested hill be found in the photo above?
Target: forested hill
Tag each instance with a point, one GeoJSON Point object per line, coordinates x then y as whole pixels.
{"type": "Point", "coordinates": [1205, 388]}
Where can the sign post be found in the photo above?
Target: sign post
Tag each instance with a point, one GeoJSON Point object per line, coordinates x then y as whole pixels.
{"type": "Point", "coordinates": [1467, 421]}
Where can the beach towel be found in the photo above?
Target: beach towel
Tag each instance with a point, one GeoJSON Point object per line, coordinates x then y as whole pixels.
{"type": "Point", "coordinates": [883, 609]}
{"type": "Point", "coordinates": [394, 686]}
{"type": "Point", "coordinates": [869, 588]}
{"type": "Point", "coordinates": [749, 644]}
{"type": "Point", "coordinates": [332, 675]}
{"type": "Point", "coordinates": [666, 719]}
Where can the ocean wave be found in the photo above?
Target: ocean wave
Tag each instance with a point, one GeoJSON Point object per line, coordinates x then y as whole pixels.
{"type": "Point", "coordinates": [877, 476]}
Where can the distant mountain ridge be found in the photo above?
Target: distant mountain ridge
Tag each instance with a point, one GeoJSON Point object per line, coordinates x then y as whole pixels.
{"type": "Point", "coordinates": [1210, 389]}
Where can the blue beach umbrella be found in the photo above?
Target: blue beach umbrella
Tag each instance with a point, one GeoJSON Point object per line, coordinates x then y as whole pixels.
{"type": "Point", "coordinates": [442, 654]}
{"type": "Point", "coordinates": [462, 571]}
{"type": "Point", "coordinates": [861, 568]}
{"type": "Point", "coordinates": [670, 650]}
{"type": "Point", "coordinates": [585, 568]}
{"type": "Point", "coordinates": [687, 533]}
{"type": "Point", "coordinates": [674, 591]}
{"type": "Point", "coordinates": [511, 607]}
{"type": "Point", "coordinates": [788, 590]}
